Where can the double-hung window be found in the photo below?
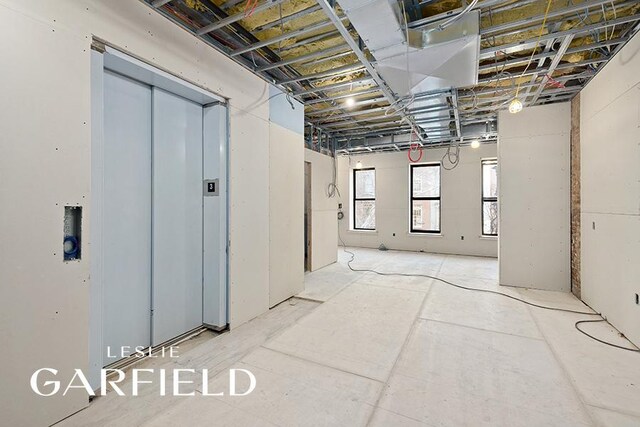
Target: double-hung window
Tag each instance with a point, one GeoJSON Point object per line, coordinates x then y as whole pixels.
{"type": "Point", "coordinates": [490, 197]}
{"type": "Point", "coordinates": [425, 198]}
{"type": "Point", "coordinates": [364, 199]}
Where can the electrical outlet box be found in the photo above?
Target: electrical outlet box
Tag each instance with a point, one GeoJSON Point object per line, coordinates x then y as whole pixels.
{"type": "Point", "coordinates": [72, 231]}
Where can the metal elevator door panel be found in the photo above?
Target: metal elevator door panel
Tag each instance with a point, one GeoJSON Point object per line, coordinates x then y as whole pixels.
{"type": "Point", "coordinates": [177, 216]}
{"type": "Point", "coordinates": [126, 210]}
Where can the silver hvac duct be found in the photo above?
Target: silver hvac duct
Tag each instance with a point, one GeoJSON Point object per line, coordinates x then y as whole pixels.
{"type": "Point", "coordinates": [432, 58]}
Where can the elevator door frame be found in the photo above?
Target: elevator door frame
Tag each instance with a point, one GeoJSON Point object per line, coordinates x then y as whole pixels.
{"type": "Point", "coordinates": [103, 58]}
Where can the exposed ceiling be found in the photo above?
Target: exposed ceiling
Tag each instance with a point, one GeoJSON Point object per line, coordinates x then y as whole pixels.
{"type": "Point", "coordinates": [542, 51]}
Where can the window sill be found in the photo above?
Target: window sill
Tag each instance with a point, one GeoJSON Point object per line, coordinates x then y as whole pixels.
{"type": "Point", "coordinates": [483, 237]}
{"type": "Point", "coordinates": [425, 234]}
{"type": "Point", "coordinates": [363, 231]}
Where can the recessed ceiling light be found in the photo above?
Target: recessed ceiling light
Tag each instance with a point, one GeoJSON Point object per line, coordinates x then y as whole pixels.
{"type": "Point", "coordinates": [475, 144]}
{"type": "Point", "coordinates": [515, 106]}
{"type": "Point", "coordinates": [350, 102]}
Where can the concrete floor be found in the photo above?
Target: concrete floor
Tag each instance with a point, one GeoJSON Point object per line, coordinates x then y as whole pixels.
{"type": "Point", "coordinates": [399, 351]}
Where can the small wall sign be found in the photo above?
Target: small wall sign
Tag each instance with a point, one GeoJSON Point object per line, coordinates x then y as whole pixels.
{"type": "Point", "coordinates": [210, 187]}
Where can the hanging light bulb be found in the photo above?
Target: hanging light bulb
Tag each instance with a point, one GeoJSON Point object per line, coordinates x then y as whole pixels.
{"type": "Point", "coordinates": [350, 102]}
{"type": "Point", "coordinates": [515, 106]}
{"type": "Point", "coordinates": [359, 165]}
{"type": "Point", "coordinates": [475, 144]}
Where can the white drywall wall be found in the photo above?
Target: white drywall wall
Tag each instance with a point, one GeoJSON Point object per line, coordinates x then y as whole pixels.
{"type": "Point", "coordinates": [460, 209]}
{"type": "Point", "coordinates": [286, 213]}
{"type": "Point", "coordinates": [248, 216]}
{"type": "Point", "coordinates": [45, 165]}
{"type": "Point", "coordinates": [533, 153]}
{"type": "Point", "coordinates": [324, 211]}
{"type": "Point", "coordinates": [610, 190]}
{"type": "Point", "coordinates": [46, 138]}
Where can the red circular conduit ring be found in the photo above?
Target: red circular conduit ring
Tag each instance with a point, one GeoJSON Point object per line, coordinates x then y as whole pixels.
{"type": "Point", "coordinates": [414, 147]}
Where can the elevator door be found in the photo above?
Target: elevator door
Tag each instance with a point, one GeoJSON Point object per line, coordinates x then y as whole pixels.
{"type": "Point", "coordinates": [155, 217]}
{"type": "Point", "coordinates": [126, 213]}
{"type": "Point", "coordinates": [177, 216]}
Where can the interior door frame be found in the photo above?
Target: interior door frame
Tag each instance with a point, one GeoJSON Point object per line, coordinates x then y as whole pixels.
{"type": "Point", "coordinates": [107, 56]}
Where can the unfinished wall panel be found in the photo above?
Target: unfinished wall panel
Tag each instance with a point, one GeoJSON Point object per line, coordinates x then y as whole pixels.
{"type": "Point", "coordinates": [248, 217]}
{"type": "Point", "coordinates": [610, 191]}
{"type": "Point", "coordinates": [286, 213]}
{"type": "Point", "coordinates": [46, 134]}
{"type": "Point", "coordinates": [534, 161]}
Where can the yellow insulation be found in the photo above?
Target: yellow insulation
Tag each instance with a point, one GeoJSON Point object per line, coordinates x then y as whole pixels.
{"type": "Point", "coordinates": [273, 14]}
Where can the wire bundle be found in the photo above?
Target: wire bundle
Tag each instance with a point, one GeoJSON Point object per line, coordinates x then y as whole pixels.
{"type": "Point", "coordinates": [452, 156]}
{"type": "Point", "coordinates": [332, 188]}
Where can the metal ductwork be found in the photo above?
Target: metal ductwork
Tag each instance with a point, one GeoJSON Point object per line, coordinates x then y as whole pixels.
{"type": "Point", "coordinates": [469, 132]}
{"type": "Point", "coordinates": [434, 58]}
{"type": "Point", "coordinates": [413, 61]}
{"type": "Point", "coordinates": [297, 48]}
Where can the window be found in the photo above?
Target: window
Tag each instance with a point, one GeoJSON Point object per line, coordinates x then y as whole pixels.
{"type": "Point", "coordinates": [425, 198]}
{"type": "Point", "coordinates": [490, 197]}
{"type": "Point", "coordinates": [364, 199]}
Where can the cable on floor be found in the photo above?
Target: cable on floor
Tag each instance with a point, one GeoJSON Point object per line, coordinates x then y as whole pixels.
{"type": "Point", "coordinates": [455, 285]}
{"type": "Point", "coordinates": [467, 288]}
{"type": "Point", "coordinates": [635, 350]}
